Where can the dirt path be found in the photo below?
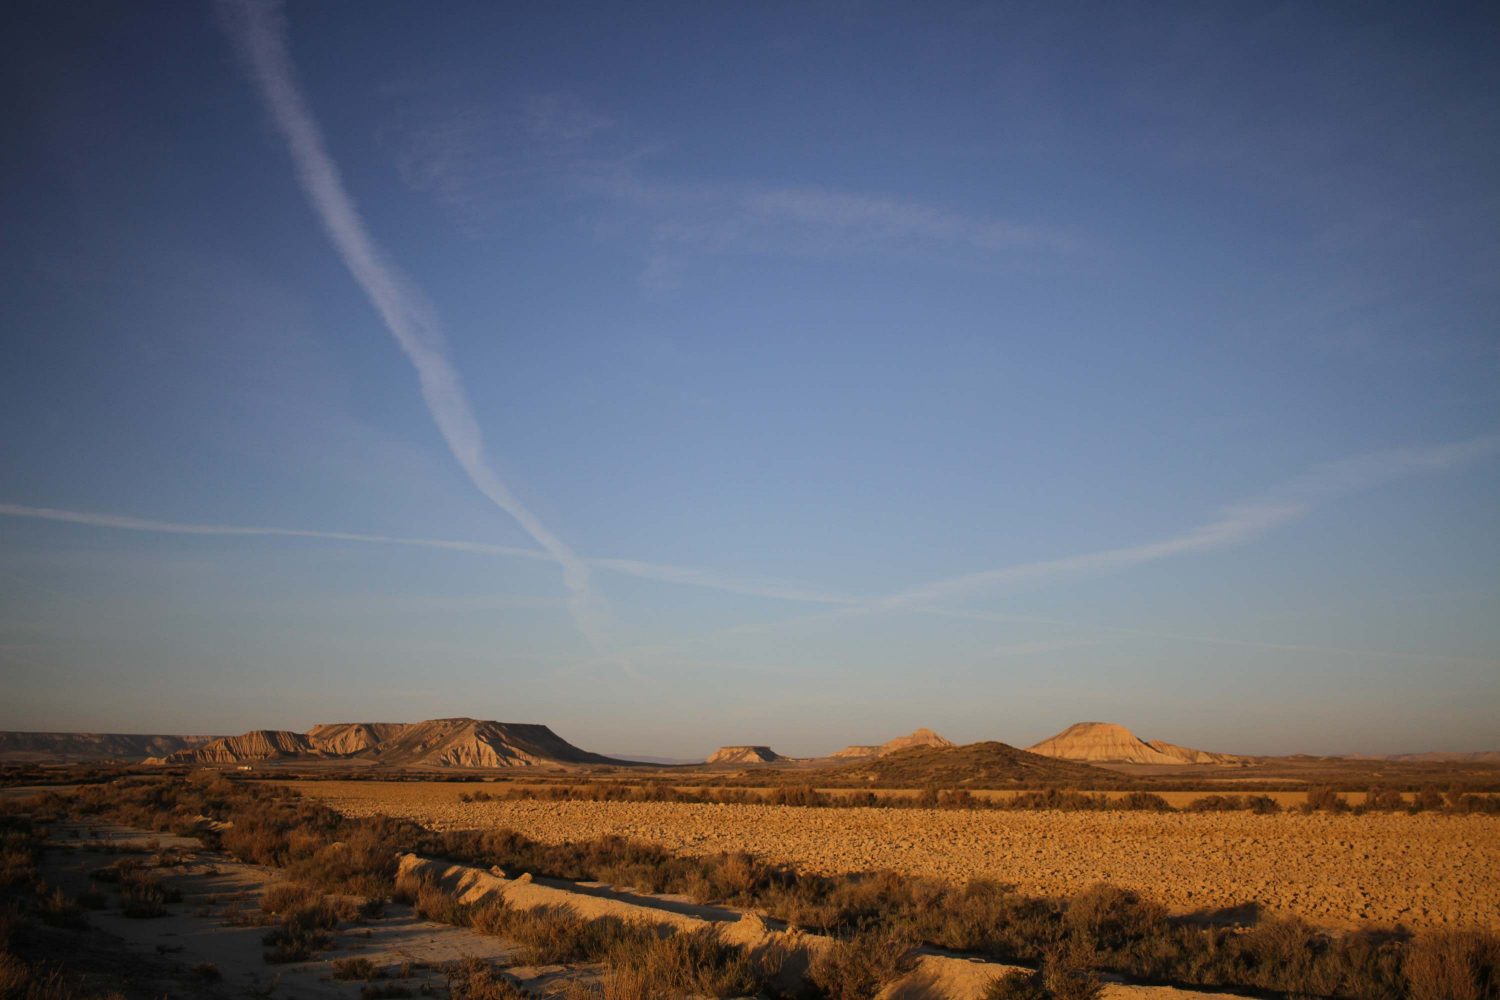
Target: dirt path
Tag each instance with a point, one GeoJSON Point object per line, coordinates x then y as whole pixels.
{"type": "Point", "coordinates": [1421, 870]}
{"type": "Point", "coordinates": [195, 934]}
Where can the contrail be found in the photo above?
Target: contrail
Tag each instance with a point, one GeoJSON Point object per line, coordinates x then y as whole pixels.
{"type": "Point", "coordinates": [1237, 524]}
{"type": "Point", "coordinates": [686, 576]}
{"type": "Point", "coordinates": [258, 30]}
{"type": "Point", "coordinates": [126, 523]}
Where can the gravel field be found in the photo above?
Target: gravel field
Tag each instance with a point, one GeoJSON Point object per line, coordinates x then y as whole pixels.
{"type": "Point", "coordinates": [1422, 871]}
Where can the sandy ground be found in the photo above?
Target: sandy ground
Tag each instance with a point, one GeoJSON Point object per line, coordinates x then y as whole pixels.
{"type": "Point", "coordinates": [1421, 871]}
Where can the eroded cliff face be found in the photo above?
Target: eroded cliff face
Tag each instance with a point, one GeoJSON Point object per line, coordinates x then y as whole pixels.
{"type": "Point", "coordinates": [258, 744]}
{"type": "Point", "coordinates": [344, 738]}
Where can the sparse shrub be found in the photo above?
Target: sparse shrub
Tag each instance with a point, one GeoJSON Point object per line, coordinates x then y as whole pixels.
{"type": "Point", "coordinates": [208, 972]}
{"type": "Point", "coordinates": [1112, 919]}
{"type": "Point", "coordinates": [283, 897]}
{"type": "Point", "coordinates": [476, 980]}
{"type": "Point", "coordinates": [55, 909]}
{"type": "Point", "coordinates": [1379, 799]}
{"type": "Point", "coordinates": [859, 967]}
{"type": "Point", "coordinates": [384, 991]}
{"type": "Point", "coordinates": [144, 896]}
{"type": "Point", "coordinates": [1453, 965]}
{"type": "Point", "coordinates": [356, 968]}
{"type": "Point", "coordinates": [93, 898]}
{"type": "Point", "coordinates": [1017, 985]}
{"type": "Point", "coordinates": [1321, 798]}
{"type": "Point", "coordinates": [1142, 802]}
{"type": "Point", "coordinates": [1429, 799]}
{"type": "Point", "coordinates": [1263, 805]}
{"type": "Point", "coordinates": [1068, 973]}
{"type": "Point", "coordinates": [291, 942]}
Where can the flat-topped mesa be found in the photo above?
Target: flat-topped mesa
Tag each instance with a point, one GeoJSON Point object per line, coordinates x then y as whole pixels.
{"type": "Point", "coordinates": [1107, 743]}
{"type": "Point", "coordinates": [744, 755]}
{"type": "Point", "coordinates": [857, 751]}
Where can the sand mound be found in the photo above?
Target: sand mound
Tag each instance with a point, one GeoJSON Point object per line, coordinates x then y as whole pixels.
{"type": "Point", "coordinates": [1105, 742]}
{"type": "Point", "coordinates": [744, 755]}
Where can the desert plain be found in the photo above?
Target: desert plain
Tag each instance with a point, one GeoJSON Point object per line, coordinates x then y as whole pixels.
{"type": "Point", "coordinates": [1420, 870]}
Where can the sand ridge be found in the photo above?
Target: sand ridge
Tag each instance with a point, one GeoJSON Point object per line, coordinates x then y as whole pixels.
{"type": "Point", "coordinates": [1423, 870]}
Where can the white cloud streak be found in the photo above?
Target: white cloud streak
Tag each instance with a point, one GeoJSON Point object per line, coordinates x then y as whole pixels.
{"type": "Point", "coordinates": [258, 30]}
{"type": "Point", "coordinates": [706, 579]}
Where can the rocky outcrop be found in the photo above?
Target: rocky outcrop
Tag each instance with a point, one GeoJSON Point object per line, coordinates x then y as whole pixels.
{"type": "Point", "coordinates": [1107, 743]}
{"type": "Point", "coordinates": [918, 738]}
{"type": "Point", "coordinates": [744, 755]}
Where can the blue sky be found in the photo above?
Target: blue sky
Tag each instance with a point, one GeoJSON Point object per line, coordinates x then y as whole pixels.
{"type": "Point", "coordinates": [681, 375]}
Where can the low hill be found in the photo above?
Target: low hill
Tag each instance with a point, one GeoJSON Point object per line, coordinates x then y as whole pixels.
{"type": "Point", "coordinates": [39, 747]}
{"type": "Point", "coordinates": [1433, 757]}
{"type": "Point", "coordinates": [744, 755]}
{"type": "Point", "coordinates": [918, 738]}
{"type": "Point", "coordinates": [1107, 743]}
{"type": "Point", "coordinates": [975, 765]}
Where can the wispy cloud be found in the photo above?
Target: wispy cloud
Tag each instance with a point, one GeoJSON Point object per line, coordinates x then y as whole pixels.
{"type": "Point", "coordinates": [258, 30]}
{"type": "Point", "coordinates": [1042, 646]}
{"type": "Point", "coordinates": [474, 159]}
{"type": "Point", "coordinates": [686, 576]}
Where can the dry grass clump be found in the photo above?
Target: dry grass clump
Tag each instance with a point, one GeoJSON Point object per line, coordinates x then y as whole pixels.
{"type": "Point", "coordinates": [145, 896]}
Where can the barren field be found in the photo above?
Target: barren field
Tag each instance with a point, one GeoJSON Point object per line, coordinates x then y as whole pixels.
{"type": "Point", "coordinates": [1420, 870]}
